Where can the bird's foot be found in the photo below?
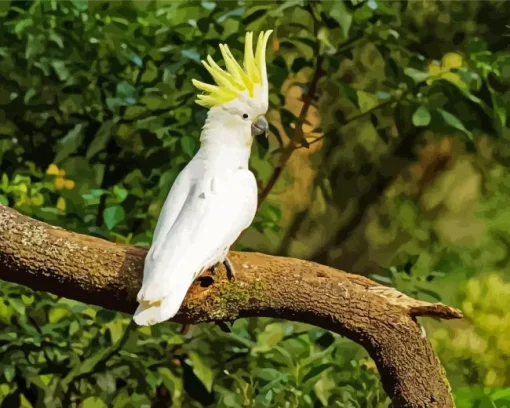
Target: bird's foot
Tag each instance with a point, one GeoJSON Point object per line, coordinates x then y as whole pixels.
{"type": "Point", "coordinates": [214, 270]}
{"type": "Point", "coordinates": [231, 272]}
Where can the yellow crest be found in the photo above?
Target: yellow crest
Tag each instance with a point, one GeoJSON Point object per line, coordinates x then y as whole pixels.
{"type": "Point", "coordinates": [236, 79]}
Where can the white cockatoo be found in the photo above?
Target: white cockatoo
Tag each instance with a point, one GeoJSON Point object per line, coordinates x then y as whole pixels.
{"type": "Point", "coordinates": [214, 198]}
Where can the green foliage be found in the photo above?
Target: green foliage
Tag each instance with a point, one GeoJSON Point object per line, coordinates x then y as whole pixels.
{"type": "Point", "coordinates": [483, 341]}
{"type": "Point", "coordinates": [97, 119]}
{"type": "Point", "coordinates": [66, 352]}
{"type": "Point", "coordinates": [481, 356]}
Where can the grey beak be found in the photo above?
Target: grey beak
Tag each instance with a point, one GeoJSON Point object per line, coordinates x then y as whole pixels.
{"type": "Point", "coordinates": [259, 126]}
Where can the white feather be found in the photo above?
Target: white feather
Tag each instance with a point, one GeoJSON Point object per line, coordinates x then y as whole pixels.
{"type": "Point", "coordinates": [212, 201]}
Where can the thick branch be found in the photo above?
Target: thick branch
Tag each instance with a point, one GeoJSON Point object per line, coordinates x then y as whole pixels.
{"type": "Point", "coordinates": [381, 319]}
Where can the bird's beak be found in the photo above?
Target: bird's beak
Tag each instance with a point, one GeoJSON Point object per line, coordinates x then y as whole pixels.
{"type": "Point", "coordinates": [260, 126]}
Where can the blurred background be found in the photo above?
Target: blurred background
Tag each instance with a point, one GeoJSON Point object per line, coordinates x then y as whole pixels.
{"type": "Point", "coordinates": [388, 157]}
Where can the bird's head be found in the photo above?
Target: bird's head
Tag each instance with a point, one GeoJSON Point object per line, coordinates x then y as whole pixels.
{"type": "Point", "coordinates": [239, 99]}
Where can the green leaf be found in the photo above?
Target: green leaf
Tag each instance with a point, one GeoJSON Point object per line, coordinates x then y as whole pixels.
{"type": "Point", "coordinates": [81, 5]}
{"type": "Point", "coordinates": [202, 370]}
{"type": "Point", "coordinates": [9, 372]}
{"type": "Point", "coordinates": [342, 15]}
{"type": "Point", "coordinates": [315, 371]}
{"type": "Point", "coordinates": [4, 7]}
{"type": "Point", "coordinates": [367, 101]}
{"type": "Point", "coordinates": [73, 328]}
{"type": "Point", "coordinates": [350, 93]}
{"type": "Point", "coordinates": [269, 374]}
{"type": "Point", "coordinates": [421, 117]}
{"type": "Point", "coordinates": [87, 365]}
{"type": "Point", "coordinates": [113, 216]}
{"type": "Point", "coordinates": [454, 122]}
{"type": "Point", "coordinates": [274, 213]}
{"type": "Point", "coordinates": [56, 39]}
{"type": "Point", "coordinates": [58, 313]}
{"type": "Point", "coordinates": [116, 329]}
{"type": "Point", "coordinates": [126, 94]}
{"type": "Point", "coordinates": [254, 16]}
{"type": "Point", "coordinates": [61, 70]}
{"type": "Point", "coordinates": [120, 193]}
{"type": "Point", "coordinates": [100, 139]}
{"type": "Point", "coordinates": [70, 142]}
{"type": "Point", "coordinates": [29, 95]}
{"type": "Point", "coordinates": [382, 279]}
{"type": "Point", "coordinates": [105, 315]}
{"type": "Point", "coordinates": [189, 145]}
{"type": "Point", "coordinates": [288, 118]}
{"type": "Point", "coordinates": [501, 394]}
{"type": "Point", "coordinates": [93, 402]}
{"type": "Point", "coordinates": [192, 54]}
{"type": "Point", "coordinates": [416, 75]}
{"type": "Point", "coordinates": [326, 37]}
{"type": "Point", "coordinates": [382, 7]}
{"type": "Point", "coordinates": [500, 111]}
{"type": "Point", "coordinates": [363, 13]}
{"type": "Point", "coordinates": [486, 402]}
{"type": "Point", "coordinates": [272, 335]}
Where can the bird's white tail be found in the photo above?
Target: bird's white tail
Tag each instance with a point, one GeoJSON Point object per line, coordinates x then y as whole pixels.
{"type": "Point", "coordinates": [151, 312]}
{"type": "Point", "coordinates": [148, 314]}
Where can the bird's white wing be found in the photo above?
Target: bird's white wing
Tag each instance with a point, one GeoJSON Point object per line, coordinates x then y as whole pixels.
{"type": "Point", "coordinates": [173, 204]}
{"type": "Point", "coordinates": [216, 210]}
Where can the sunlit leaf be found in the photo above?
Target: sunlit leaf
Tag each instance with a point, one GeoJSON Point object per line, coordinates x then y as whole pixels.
{"type": "Point", "coordinates": [271, 336]}
{"type": "Point", "coordinates": [93, 402]}
{"type": "Point", "coordinates": [421, 117]}
{"type": "Point", "coordinates": [416, 75]}
{"type": "Point", "coordinates": [342, 15]}
{"type": "Point", "coordinates": [113, 216]}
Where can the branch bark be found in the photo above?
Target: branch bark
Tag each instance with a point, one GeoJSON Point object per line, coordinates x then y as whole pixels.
{"type": "Point", "coordinates": [379, 318]}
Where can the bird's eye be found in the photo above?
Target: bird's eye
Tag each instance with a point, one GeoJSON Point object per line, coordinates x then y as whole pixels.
{"type": "Point", "coordinates": [245, 116]}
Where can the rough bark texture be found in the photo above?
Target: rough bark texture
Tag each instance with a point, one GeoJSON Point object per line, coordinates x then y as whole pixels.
{"type": "Point", "coordinates": [379, 318]}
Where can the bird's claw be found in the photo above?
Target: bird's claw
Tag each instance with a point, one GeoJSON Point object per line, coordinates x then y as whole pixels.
{"type": "Point", "coordinates": [213, 270]}
{"type": "Point", "coordinates": [231, 272]}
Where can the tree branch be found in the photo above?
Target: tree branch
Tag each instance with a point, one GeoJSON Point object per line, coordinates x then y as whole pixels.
{"type": "Point", "coordinates": [297, 136]}
{"type": "Point", "coordinates": [399, 157]}
{"type": "Point", "coordinates": [350, 120]}
{"type": "Point", "coordinates": [379, 318]}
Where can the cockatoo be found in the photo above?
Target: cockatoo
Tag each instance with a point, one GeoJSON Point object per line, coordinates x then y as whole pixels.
{"type": "Point", "coordinates": [214, 198]}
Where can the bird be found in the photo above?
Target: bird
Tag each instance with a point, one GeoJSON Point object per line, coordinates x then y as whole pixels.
{"type": "Point", "coordinates": [214, 198]}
